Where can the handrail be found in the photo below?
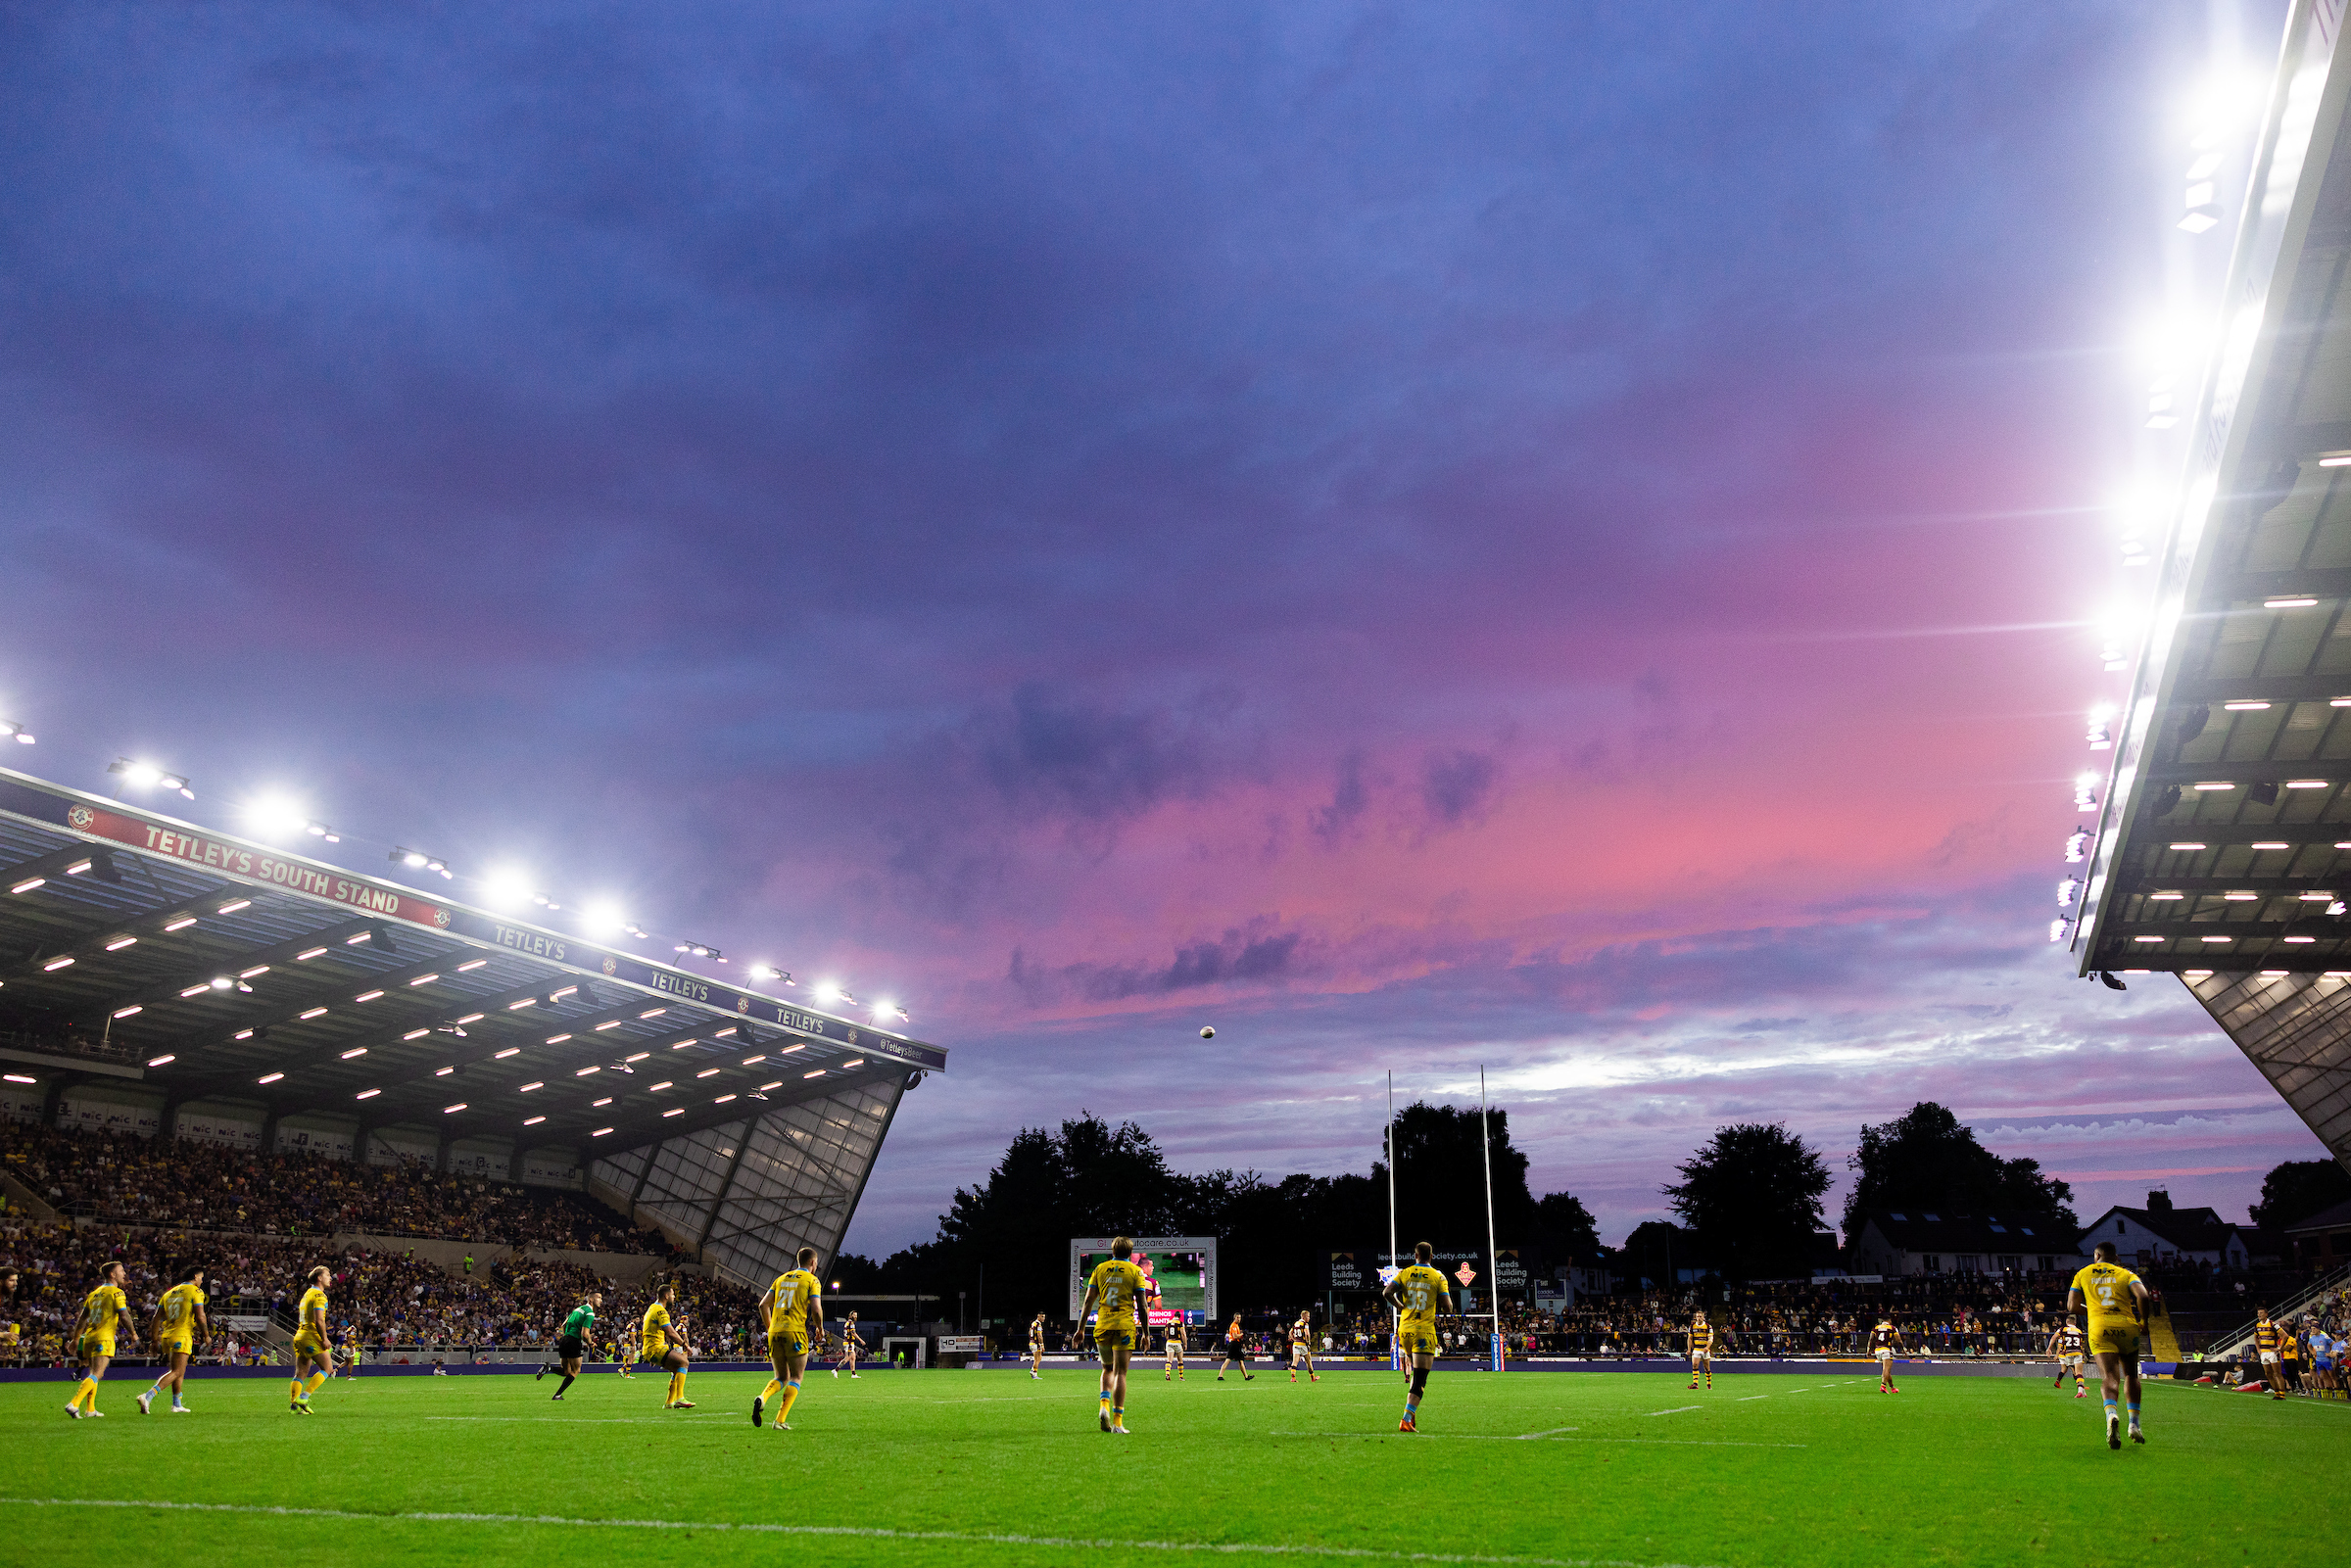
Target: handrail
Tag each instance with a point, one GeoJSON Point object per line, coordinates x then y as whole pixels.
{"type": "Point", "coordinates": [2235, 1343]}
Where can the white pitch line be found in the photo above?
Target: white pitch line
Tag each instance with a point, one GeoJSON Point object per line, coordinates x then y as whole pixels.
{"type": "Point", "coordinates": [1529, 1437]}
{"type": "Point", "coordinates": [1678, 1409]}
{"type": "Point", "coordinates": [1495, 1437]}
{"type": "Point", "coordinates": [874, 1532]}
{"type": "Point", "coordinates": [1746, 1398]}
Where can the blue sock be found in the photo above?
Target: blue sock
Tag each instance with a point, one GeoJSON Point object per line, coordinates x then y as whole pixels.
{"type": "Point", "coordinates": [2109, 1409]}
{"type": "Point", "coordinates": [2135, 1412]}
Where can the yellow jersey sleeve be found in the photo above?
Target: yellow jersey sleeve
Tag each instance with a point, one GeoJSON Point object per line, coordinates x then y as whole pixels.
{"type": "Point", "coordinates": [313, 1297]}
{"type": "Point", "coordinates": [656, 1322]}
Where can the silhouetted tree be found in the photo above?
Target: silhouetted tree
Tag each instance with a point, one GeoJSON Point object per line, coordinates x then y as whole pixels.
{"type": "Point", "coordinates": [1925, 1159]}
{"type": "Point", "coordinates": [2294, 1191]}
{"type": "Point", "coordinates": [1752, 1195]}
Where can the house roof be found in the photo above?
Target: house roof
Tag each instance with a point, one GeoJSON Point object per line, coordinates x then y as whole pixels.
{"type": "Point", "coordinates": [1919, 1231]}
{"type": "Point", "coordinates": [2188, 1230]}
{"type": "Point", "coordinates": [2335, 1218]}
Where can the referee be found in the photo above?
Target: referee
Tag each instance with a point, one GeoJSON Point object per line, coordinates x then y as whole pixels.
{"type": "Point", "coordinates": [571, 1339]}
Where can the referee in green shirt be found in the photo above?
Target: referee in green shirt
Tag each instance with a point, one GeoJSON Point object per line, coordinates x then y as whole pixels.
{"type": "Point", "coordinates": [571, 1340]}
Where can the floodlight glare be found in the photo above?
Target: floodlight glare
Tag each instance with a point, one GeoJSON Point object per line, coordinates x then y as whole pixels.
{"type": "Point", "coordinates": [604, 918]}
{"type": "Point", "coordinates": [147, 776]}
{"type": "Point", "coordinates": [9, 728]}
{"type": "Point", "coordinates": [505, 885]}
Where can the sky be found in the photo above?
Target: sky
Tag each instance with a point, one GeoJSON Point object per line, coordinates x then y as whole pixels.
{"type": "Point", "coordinates": [1560, 539]}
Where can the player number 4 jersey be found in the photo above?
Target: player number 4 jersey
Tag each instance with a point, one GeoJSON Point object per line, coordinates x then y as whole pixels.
{"type": "Point", "coordinates": [1120, 1286]}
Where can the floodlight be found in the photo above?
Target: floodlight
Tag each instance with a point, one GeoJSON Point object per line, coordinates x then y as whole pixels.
{"type": "Point", "coordinates": [11, 729]}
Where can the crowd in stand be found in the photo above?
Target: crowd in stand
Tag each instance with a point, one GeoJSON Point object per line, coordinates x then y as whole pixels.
{"type": "Point", "coordinates": [184, 1184]}
{"type": "Point", "coordinates": [380, 1300]}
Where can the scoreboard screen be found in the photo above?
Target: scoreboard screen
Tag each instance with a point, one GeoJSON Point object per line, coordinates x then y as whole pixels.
{"type": "Point", "coordinates": [1181, 1272]}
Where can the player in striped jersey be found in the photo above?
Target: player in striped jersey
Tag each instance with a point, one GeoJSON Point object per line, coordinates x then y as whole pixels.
{"type": "Point", "coordinates": [1036, 1348]}
{"type": "Point", "coordinates": [1302, 1347]}
{"type": "Point", "coordinates": [1884, 1341]}
{"type": "Point", "coordinates": [1175, 1351]}
{"type": "Point", "coordinates": [1702, 1347]}
{"type": "Point", "coordinates": [2066, 1348]}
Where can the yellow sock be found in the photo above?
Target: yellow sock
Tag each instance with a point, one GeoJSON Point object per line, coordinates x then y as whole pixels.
{"type": "Point", "coordinates": [316, 1382]}
{"type": "Point", "coordinates": [775, 1386]}
{"type": "Point", "coordinates": [681, 1382]}
{"type": "Point", "coordinates": [791, 1393]}
{"type": "Point", "coordinates": [88, 1390]}
{"type": "Point", "coordinates": [677, 1388]}
{"type": "Point", "coordinates": [294, 1389]}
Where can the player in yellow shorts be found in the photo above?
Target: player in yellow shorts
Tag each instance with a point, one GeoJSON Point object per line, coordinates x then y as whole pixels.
{"type": "Point", "coordinates": [2116, 1301]}
{"type": "Point", "coordinates": [105, 1311]}
{"type": "Point", "coordinates": [664, 1344]}
{"type": "Point", "coordinates": [178, 1327]}
{"type": "Point", "coordinates": [1115, 1293]}
{"type": "Point", "coordinates": [794, 1309]}
{"type": "Point", "coordinates": [310, 1347]}
{"type": "Point", "coordinates": [1419, 1293]}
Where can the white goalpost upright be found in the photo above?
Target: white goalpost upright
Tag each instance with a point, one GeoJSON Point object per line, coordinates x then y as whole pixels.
{"type": "Point", "coordinates": [1485, 1144]}
{"type": "Point", "coordinates": [1395, 1322]}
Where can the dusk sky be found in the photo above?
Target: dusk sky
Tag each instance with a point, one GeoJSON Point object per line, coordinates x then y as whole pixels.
{"type": "Point", "coordinates": [1554, 535]}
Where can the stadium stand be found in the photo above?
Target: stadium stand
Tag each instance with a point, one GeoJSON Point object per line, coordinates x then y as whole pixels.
{"type": "Point", "coordinates": [325, 1051]}
{"type": "Point", "coordinates": [181, 1184]}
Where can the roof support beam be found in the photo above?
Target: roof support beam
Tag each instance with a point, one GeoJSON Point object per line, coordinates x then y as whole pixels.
{"type": "Point", "coordinates": [2216, 835]}
{"type": "Point", "coordinates": [2245, 773]}
{"type": "Point", "coordinates": [637, 1128]}
{"type": "Point", "coordinates": [280, 953]}
{"type": "Point", "coordinates": [2260, 688]}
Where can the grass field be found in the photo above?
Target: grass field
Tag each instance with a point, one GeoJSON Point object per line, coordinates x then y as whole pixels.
{"type": "Point", "coordinates": [992, 1469]}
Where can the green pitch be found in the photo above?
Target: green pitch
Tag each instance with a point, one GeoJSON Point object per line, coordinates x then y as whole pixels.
{"type": "Point", "coordinates": [991, 1468]}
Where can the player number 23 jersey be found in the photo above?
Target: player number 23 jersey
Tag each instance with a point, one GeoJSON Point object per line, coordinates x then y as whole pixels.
{"type": "Point", "coordinates": [1422, 1292]}
{"type": "Point", "coordinates": [1121, 1285]}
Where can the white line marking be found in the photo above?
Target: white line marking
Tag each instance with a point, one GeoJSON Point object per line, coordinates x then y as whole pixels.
{"type": "Point", "coordinates": [1529, 1437]}
{"type": "Point", "coordinates": [1678, 1409]}
{"type": "Point", "coordinates": [1495, 1437]}
{"type": "Point", "coordinates": [979, 1537]}
{"type": "Point", "coordinates": [1745, 1398]}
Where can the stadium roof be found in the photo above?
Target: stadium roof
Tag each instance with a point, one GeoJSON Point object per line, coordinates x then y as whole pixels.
{"type": "Point", "coordinates": [2223, 849]}
{"type": "Point", "coordinates": [137, 947]}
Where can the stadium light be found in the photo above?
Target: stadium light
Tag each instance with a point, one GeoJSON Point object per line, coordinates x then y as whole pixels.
{"type": "Point", "coordinates": [506, 885]}
{"type": "Point", "coordinates": [147, 776]}
{"type": "Point", "coordinates": [418, 860]}
{"type": "Point", "coordinates": [604, 918]}
{"type": "Point", "coordinates": [11, 729]}
{"type": "Point", "coordinates": [18, 1077]}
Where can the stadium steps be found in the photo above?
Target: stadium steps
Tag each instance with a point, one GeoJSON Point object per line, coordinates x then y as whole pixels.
{"type": "Point", "coordinates": [23, 1199]}
{"type": "Point", "coordinates": [2162, 1344]}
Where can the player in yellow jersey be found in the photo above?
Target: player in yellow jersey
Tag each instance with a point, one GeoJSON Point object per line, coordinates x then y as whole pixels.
{"type": "Point", "coordinates": [1174, 1347]}
{"type": "Point", "coordinates": [624, 1351]}
{"type": "Point", "coordinates": [1702, 1347]}
{"type": "Point", "coordinates": [311, 1350]}
{"type": "Point", "coordinates": [1115, 1294]}
{"type": "Point", "coordinates": [2116, 1301]}
{"type": "Point", "coordinates": [178, 1327]}
{"type": "Point", "coordinates": [105, 1311]}
{"type": "Point", "coordinates": [794, 1309]}
{"type": "Point", "coordinates": [664, 1344]}
{"type": "Point", "coordinates": [1418, 1291]}
{"type": "Point", "coordinates": [2066, 1347]}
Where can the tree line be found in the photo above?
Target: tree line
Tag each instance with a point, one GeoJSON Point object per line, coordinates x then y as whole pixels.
{"type": "Point", "coordinates": [1749, 1203]}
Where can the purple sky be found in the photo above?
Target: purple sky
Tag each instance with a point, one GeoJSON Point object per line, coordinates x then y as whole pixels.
{"type": "Point", "coordinates": [1550, 535]}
